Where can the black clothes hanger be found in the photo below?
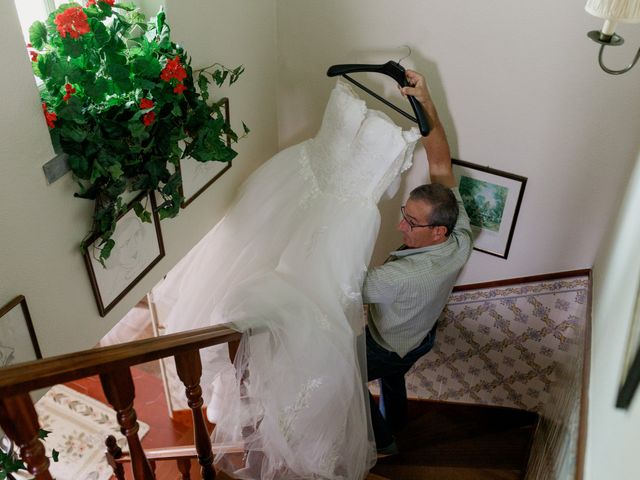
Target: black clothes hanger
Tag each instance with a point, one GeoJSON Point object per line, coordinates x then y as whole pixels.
{"type": "Point", "coordinates": [393, 70]}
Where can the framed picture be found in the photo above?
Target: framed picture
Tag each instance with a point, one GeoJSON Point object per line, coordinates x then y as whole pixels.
{"type": "Point", "coordinates": [492, 200]}
{"type": "Point", "coordinates": [631, 369]}
{"type": "Point", "coordinates": [198, 176]}
{"type": "Point", "coordinates": [138, 248]}
{"type": "Point", "coordinates": [18, 342]}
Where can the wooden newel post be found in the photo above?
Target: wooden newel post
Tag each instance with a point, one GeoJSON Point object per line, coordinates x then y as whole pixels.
{"type": "Point", "coordinates": [189, 368]}
{"type": "Point", "coordinates": [19, 421]}
{"type": "Point", "coordinates": [120, 392]}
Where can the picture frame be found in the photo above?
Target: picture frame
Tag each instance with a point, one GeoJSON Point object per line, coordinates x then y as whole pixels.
{"type": "Point", "coordinates": [198, 176]}
{"type": "Point", "coordinates": [492, 199]}
{"type": "Point", "coordinates": [18, 342]}
{"type": "Point", "coordinates": [139, 247]}
{"type": "Point", "coordinates": [631, 368]}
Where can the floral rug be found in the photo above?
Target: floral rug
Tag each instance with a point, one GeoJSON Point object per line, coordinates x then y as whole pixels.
{"type": "Point", "coordinates": [79, 426]}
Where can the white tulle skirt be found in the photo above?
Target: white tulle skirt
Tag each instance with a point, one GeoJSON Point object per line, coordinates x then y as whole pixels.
{"type": "Point", "coordinates": [285, 265]}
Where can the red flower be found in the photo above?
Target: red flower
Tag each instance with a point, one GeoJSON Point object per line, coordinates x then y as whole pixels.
{"type": "Point", "coordinates": [50, 117]}
{"type": "Point", "coordinates": [72, 21]}
{"type": "Point", "coordinates": [148, 118]}
{"type": "Point", "coordinates": [146, 103]}
{"type": "Point", "coordinates": [33, 53]}
{"type": "Point", "coordinates": [179, 88]}
{"type": "Point", "coordinates": [70, 90]}
{"type": "Point", "coordinates": [173, 69]}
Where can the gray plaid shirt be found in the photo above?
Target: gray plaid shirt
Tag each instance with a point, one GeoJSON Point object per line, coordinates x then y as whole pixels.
{"type": "Point", "coordinates": [407, 294]}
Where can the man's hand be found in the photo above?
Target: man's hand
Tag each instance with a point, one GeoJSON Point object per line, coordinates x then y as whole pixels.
{"type": "Point", "coordinates": [418, 88]}
{"type": "Point", "coordinates": [436, 144]}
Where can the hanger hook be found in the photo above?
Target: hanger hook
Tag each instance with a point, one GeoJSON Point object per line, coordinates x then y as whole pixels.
{"type": "Point", "coordinates": [407, 55]}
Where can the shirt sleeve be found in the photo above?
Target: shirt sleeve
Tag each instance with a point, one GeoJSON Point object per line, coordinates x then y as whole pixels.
{"type": "Point", "coordinates": [379, 285]}
{"type": "Point", "coordinates": [463, 225]}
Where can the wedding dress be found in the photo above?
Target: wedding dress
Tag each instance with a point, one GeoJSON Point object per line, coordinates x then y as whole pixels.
{"type": "Point", "coordinates": [286, 265]}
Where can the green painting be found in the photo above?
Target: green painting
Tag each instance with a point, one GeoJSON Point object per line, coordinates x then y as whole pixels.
{"type": "Point", "coordinates": [484, 202]}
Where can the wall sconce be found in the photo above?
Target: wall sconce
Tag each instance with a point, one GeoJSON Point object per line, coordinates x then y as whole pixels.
{"type": "Point", "coordinates": [613, 11]}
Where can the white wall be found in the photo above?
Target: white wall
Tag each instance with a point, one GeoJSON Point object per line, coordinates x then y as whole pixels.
{"type": "Point", "coordinates": [614, 434]}
{"type": "Point", "coordinates": [42, 224]}
{"type": "Point", "coordinates": [518, 89]}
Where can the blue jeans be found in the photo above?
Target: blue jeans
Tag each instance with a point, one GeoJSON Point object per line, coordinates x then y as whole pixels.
{"type": "Point", "coordinates": [391, 414]}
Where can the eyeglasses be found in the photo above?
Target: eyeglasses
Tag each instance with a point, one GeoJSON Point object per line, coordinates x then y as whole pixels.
{"type": "Point", "coordinates": [411, 223]}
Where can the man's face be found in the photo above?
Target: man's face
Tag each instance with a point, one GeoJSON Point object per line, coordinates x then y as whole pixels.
{"type": "Point", "coordinates": [417, 212]}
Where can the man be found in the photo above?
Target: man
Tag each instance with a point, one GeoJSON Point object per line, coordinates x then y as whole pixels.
{"type": "Point", "coordinates": [407, 294]}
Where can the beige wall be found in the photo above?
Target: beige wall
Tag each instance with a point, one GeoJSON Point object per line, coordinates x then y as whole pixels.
{"type": "Point", "coordinates": [518, 88]}
{"type": "Point", "coordinates": [614, 434]}
{"type": "Point", "coordinates": [43, 224]}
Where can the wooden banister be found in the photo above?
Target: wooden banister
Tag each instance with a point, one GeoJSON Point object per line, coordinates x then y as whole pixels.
{"type": "Point", "coordinates": [29, 376]}
{"type": "Point", "coordinates": [19, 420]}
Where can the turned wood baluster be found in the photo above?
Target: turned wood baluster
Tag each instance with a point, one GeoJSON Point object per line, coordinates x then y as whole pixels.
{"type": "Point", "coordinates": [184, 467]}
{"type": "Point", "coordinates": [189, 368]}
{"type": "Point", "coordinates": [113, 453]}
{"type": "Point", "coordinates": [19, 421]}
{"type": "Point", "coordinates": [119, 389]}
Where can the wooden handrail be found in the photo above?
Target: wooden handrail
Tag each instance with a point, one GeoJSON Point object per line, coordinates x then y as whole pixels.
{"type": "Point", "coordinates": [19, 419]}
{"type": "Point", "coordinates": [25, 377]}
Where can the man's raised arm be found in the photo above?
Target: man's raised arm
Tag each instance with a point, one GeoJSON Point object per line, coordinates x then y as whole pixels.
{"type": "Point", "coordinates": [436, 144]}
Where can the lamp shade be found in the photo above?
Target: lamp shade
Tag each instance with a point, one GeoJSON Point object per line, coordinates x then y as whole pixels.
{"type": "Point", "coordinates": [616, 10]}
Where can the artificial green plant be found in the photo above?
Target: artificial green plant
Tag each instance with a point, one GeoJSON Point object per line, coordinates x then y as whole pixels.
{"type": "Point", "coordinates": [120, 98]}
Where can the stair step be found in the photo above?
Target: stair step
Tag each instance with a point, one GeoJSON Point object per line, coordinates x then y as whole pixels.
{"type": "Point", "coordinates": [447, 473]}
{"type": "Point", "coordinates": [458, 442]}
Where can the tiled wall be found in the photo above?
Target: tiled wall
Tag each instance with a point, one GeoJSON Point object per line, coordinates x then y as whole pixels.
{"type": "Point", "coordinates": [504, 346]}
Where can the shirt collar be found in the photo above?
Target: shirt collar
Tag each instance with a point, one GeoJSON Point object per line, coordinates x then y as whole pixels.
{"type": "Point", "coordinates": [405, 252]}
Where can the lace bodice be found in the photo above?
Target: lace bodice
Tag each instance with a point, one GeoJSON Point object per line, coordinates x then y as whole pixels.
{"type": "Point", "coordinates": [358, 152]}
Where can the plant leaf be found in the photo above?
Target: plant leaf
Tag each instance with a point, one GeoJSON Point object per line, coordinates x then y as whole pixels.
{"type": "Point", "coordinates": [79, 165]}
{"type": "Point", "coordinates": [203, 86]}
{"type": "Point", "coordinates": [55, 454]}
{"type": "Point", "coordinates": [38, 35]}
{"type": "Point", "coordinates": [160, 20]}
{"type": "Point", "coordinates": [120, 75]}
{"type": "Point", "coordinates": [147, 66]}
{"type": "Point", "coordinates": [128, 6]}
{"type": "Point", "coordinates": [10, 464]}
{"type": "Point", "coordinates": [142, 212]}
{"type": "Point", "coordinates": [100, 32]}
{"type": "Point", "coordinates": [105, 251]}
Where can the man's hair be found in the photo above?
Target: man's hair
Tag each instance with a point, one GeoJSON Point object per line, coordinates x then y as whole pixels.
{"type": "Point", "coordinates": [443, 201]}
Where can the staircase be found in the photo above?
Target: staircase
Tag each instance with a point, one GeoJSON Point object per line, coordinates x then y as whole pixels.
{"type": "Point", "coordinates": [443, 440]}
{"type": "Point", "coordinates": [448, 441]}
